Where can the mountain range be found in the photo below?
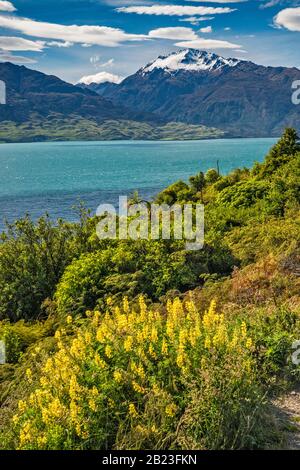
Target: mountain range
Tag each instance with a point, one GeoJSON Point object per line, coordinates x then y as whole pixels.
{"type": "Point", "coordinates": [188, 94]}
{"type": "Point", "coordinates": [201, 88]}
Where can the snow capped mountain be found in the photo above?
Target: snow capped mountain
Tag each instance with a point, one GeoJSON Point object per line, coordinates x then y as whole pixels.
{"type": "Point", "coordinates": [202, 88]}
{"type": "Point", "coordinates": [190, 60]}
{"type": "Point", "coordinates": [101, 77]}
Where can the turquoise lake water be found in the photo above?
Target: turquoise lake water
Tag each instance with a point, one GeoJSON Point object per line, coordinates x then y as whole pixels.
{"type": "Point", "coordinates": [53, 177]}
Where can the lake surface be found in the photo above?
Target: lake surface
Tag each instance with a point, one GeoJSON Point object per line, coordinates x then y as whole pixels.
{"type": "Point", "coordinates": [53, 177]}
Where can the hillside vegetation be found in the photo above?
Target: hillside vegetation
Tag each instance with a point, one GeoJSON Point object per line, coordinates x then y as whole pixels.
{"type": "Point", "coordinates": [74, 128]}
{"type": "Point", "coordinates": [144, 345]}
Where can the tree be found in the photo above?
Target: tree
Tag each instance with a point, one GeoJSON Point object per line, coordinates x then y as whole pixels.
{"type": "Point", "coordinates": [197, 183]}
{"type": "Point", "coordinates": [211, 176]}
{"type": "Point", "coordinates": [283, 151]}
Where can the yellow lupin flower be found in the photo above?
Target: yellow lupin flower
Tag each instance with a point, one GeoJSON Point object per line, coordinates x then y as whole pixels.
{"type": "Point", "coordinates": [55, 408]}
{"type": "Point", "coordinates": [164, 347]}
{"type": "Point", "coordinates": [42, 441]}
{"type": "Point", "coordinates": [69, 319]}
{"type": "Point", "coordinates": [137, 388]}
{"type": "Point", "coordinates": [154, 335]}
{"type": "Point", "coordinates": [243, 329]}
{"type": "Point", "coordinates": [180, 360]}
{"type": "Point", "coordinates": [154, 429]}
{"type": "Point", "coordinates": [170, 329]}
{"type": "Point", "coordinates": [126, 307]}
{"type": "Point", "coordinates": [88, 337]}
{"type": "Point", "coordinates": [15, 419]}
{"type": "Point", "coordinates": [108, 351]}
{"type": "Point", "coordinates": [74, 411]}
{"type": "Point", "coordinates": [117, 376]}
{"type": "Point", "coordinates": [203, 363]}
{"type": "Point", "coordinates": [142, 305]}
{"type": "Point", "coordinates": [99, 361]}
{"type": "Point", "coordinates": [170, 410]}
{"type": "Point", "coordinates": [92, 404]}
{"type": "Point", "coordinates": [212, 308]}
{"type": "Point", "coordinates": [235, 339]}
{"type": "Point", "coordinates": [57, 334]}
{"type": "Point", "coordinates": [132, 410]}
{"type": "Point", "coordinates": [74, 387]}
{"type": "Point", "coordinates": [94, 391]}
{"type": "Point", "coordinates": [29, 375]}
{"type": "Point", "coordinates": [22, 405]}
{"type": "Point", "coordinates": [111, 403]}
{"type": "Point", "coordinates": [151, 351]}
{"type": "Point", "coordinates": [25, 433]}
{"type": "Point", "coordinates": [122, 322]}
{"type": "Point", "coordinates": [96, 318]}
{"type": "Point", "coordinates": [128, 343]}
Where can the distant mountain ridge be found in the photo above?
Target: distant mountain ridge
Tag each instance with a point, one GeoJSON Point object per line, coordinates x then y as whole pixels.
{"type": "Point", "coordinates": [205, 94]}
{"type": "Point", "coordinates": [201, 88]}
{"type": "Point", "coordinates": [33, 94]}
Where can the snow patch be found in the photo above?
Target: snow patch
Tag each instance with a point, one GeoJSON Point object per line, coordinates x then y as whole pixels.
{"type": "Point", "coordinates": [190, 60]}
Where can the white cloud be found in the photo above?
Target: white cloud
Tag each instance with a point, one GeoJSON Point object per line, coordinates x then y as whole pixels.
{"type": "Point", "coordinates": [16, 59]}
{"type": "Point", "coordinates": [60, 44]}
{"type": "Point", "coordinates": [227, 29]}
{"type": "Point", "coordinates": [273, 3]}
{"type": "Point", "coordinates": [175, 10]}
{"type": "Point", "coordinates": [202, 43]}
{"type": "Point", "coordinates": [100, 77]}
{"type": "Point", "coordinates": [11, 43]}
{"type": "Point", "coordinates": [195, 20]}
{"type": "Point", "coordinates": [88, 35]}
{"type": "Point", "coordinates": [173, 33]}
{"type": "Point", "coordinates": [95, 60]}
{"type": "Point", "coordinates": [207, 29]}
{"type": "Point", "coordinates": [6, 6]}
{"type": "Point", "coordinates": [219, 1]}
{"type": "Point", "coordinates": [289, 19]}
{"type": "Point", "coordinates": [109, 63]}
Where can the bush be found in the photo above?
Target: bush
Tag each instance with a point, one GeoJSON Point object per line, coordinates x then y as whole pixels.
{"type": "Point", "coordinates": [18, 336]}
{"type": "Point", "coordinates": [33, 257]}
{"type": "Point", "coordinates": [138, 378]}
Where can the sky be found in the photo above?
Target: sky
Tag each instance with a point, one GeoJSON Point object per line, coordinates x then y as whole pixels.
{"type": "Point", "coordinates": [111, 39]}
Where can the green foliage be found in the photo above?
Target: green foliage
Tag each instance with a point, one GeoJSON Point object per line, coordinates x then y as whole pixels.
{"type": "Point", "coordinates": [211, 176]}
{"type": "Point", "coordinates": [176, 192]}
{"type": "Point", "coordinates": [32, 259]}
{"type": "Point", "coordinates": [242, 194]}
{"type": "Point", "coordinates": [19, 336]}
{"type": "Point", "coordinates": [252, 233]}
{"type": "Point", "coordinates": [197, 182]}
{"type": "Point", "coordinates": [131, 268]}
{"type": "Point", "coordinates": [282, 152]}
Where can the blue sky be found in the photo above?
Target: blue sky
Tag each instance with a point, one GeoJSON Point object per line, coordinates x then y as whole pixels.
{"type": "Point", "coordinates": [75, 38]}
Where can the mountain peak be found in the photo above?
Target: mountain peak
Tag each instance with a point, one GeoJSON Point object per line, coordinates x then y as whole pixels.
{"type": "Point", "coordinates": [189, 60]}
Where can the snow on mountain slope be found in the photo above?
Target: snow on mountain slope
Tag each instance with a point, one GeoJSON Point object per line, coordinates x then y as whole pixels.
{"type": "Point", "coordinates": [189, 60]}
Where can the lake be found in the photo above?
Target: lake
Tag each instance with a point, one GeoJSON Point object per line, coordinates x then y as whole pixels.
{"type": "Point", "coordinates": [55, 176]}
